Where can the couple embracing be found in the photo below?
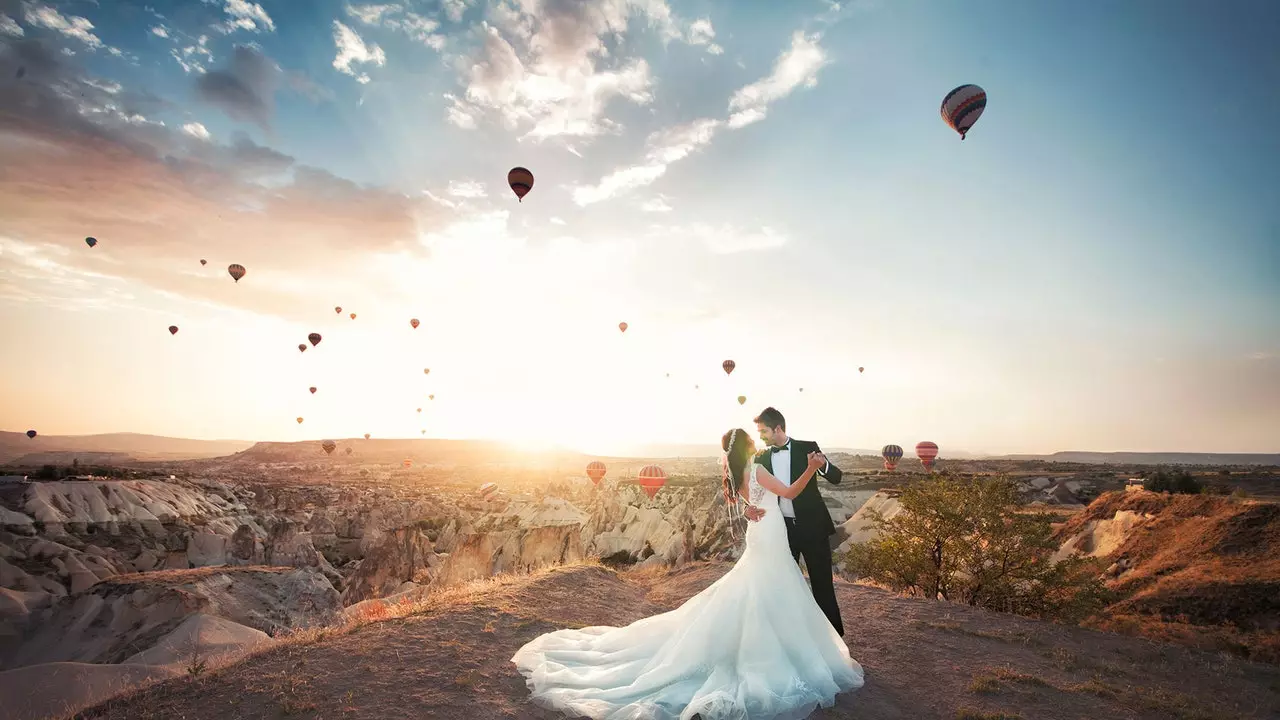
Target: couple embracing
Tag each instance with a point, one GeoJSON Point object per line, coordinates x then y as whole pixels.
{"type": "Point", "coordinates": [758, 643]}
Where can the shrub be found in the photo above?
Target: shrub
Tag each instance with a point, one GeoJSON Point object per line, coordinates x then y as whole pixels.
{"type": "Point", "coordinates": [1172, 481]}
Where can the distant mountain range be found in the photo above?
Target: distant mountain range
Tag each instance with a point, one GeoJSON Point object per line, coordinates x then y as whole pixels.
{"type": "Point", "coordinates": [17, 449]}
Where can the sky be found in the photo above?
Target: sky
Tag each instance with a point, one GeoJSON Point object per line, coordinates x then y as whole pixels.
{"type": "Point", "coordinates": [1096, 267]}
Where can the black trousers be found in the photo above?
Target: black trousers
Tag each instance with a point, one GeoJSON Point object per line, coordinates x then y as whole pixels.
{"type": "Point", "coordinates": [817, 558]}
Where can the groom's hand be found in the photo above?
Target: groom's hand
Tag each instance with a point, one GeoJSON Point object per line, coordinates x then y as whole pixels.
{"type": "Point", "coordinates": [753, 513]}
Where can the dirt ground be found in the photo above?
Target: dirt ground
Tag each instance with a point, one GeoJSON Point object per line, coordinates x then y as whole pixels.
{"type": "Point", "coordinates": [922, 660]}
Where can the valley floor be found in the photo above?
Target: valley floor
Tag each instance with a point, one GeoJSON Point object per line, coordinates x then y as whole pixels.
{"type": "Point", "coordinates": [923, 660]}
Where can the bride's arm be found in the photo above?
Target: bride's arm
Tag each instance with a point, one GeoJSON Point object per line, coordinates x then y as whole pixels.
{"type": "Point", "coordinates": [775, 486]}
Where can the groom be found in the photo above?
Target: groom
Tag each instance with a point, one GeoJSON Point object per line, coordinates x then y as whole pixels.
{"type": "Point", "coordinates": [808, 522]}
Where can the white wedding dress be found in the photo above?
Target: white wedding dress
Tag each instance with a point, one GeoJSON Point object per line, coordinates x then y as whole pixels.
{"type": "Point", "coordinates": [753, 645]}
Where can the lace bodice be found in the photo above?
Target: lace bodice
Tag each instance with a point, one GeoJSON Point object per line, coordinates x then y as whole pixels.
{"type": "Point", "coordinates": [755, 491]}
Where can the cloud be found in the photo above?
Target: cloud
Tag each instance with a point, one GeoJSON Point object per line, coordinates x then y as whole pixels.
{"type": "Point", "coordinates": [723, 239]}
{"type": "Point", "coordinates": [196, 130]}
{"type": "Point", "coordinates": [79, 162]}
{"type": "Point", "coordinates": [73, 26]}
{"type": "Point", "coordinates": [454, 9]}
{"type": "Point", "coordinates": [246, 16]}
{"type": "Point", "coordinates": [190, 56]}
{"type": "Point", "coordinates": [797, 66]}
{"type": "Point", "coordinates": [245, 90]}
{"type": "Point", "coordinates": [396, 17]}
{"type": "Point", "coordinates": [701, 33]}
{"type": "Point", "coordinates": [160, 31]}
{"type": "Point", "coordinates": [352, 49]}
{"type": "Point", "coordinates": [555, 66]}
{"type": "Point", "coordinates": [466, 189]}
{"type": "Point", "coordinates": [656, 205]}
{"type": "Point", "coordinates": [9, 26]}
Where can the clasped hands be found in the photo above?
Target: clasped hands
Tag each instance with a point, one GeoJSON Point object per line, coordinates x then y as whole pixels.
{"type": "Point", "coordinates": [816, 460]}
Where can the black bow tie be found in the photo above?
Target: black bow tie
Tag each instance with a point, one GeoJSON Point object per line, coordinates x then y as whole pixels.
{"type": "Point", "coordinates": [780, 449]}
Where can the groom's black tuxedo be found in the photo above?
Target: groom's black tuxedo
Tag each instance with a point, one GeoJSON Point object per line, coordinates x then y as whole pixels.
{"type": "Point", "coordinates": [808, 534]}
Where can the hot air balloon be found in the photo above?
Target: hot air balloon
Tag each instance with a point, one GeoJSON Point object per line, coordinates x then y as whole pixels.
{"type": "Point", "coordinates": [651, 479]}
{"type": "Point", "coordinates": [314, 338]}
{"type": "Point", "coordinates": [237, 271]}
{"type": "Point", "coordinates": [408, 463]}
{"type": "Point", "coordinates": [861, 369]}
{"type": "Point", "coordinates": [521, 182]}
{"type": "Point", "coordinates": [595, 471]}
{"type": "Point", "coordinates": [892, 454]}
{"type": "Point", "coordinates": [312, 389]}
{"type": "Point", "coordinates": [426, 371]}
{"type": "Point", "coordinates": [31, 433]}
{"type": "Point", "coordinates": [424, 432]}
{"type": "Point", "coordinates": [431, 397]}
{"type": "Point", "coordinates": [91, 241]}
{"type": "Point", "coordinates": [801, 389]}
{"type": "Point", "coordinates": [926, 451]}
{"type": "Point", "coordinates": [302, 347]}
{"type": "Point", "coordinates": [337, 309]}
{"type": "Point", "coordinates": [414, 323]}
{"type": "Point", "coordinates": [347, 451]}
{"type": "Point", "coordinates": [353, 316]}
{"type": "Point", "coordinates": [742, 399]}
{"type": "Point", "coordinates": [366, 436]}
{"type": "Point", "coordinates": [203, 262]}
{"type": "Point", "coordinates": [622, 326]}
{"type": "Point", "coordinates": [419, 409]}
{"type": "Point", "coordinates": [728, 366]}
{"type": "Point", "coordinates": [299, 421]}
{"type": "Point", "coordinates": [173, 329]}
{"type": "Point", "coordinates": [962, 107]}
{"type": "Point", "coordinates": [328, 446]}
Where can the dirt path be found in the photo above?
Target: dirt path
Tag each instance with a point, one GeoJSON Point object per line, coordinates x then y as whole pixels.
{"type": "Point", "coordinates": [922, 659]}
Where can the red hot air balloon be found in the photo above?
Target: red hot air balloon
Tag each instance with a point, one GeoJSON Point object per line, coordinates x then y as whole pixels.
{"type": "Point", "coordinates": [299, 421]}
{"type": "Point", "coordinates": [353, 316]}
{"type": "Point", "coordinates": [728, 366]}
{"type": "Point", "coordinates": [861, 369]}
{"type": "Point", "coordinates": [892, 454]}
{"type": "Point", "coordinates": [414, 323]}
{"type": "Point", "coordinates": [595, 471]}
{"type": "Point", "coordinates": [173, 329]}
{"type": "Point", "coordinates": [408, 463]}
{"type": "Point", "coordinates": [926, 451]}
{"type": "Point", "coordinates": [236, 271]}
{"type": "Point", "coordinates": [31, 433]}
{"type": "Point", "coordinates": [328, 446]}
{"type": "Point", "coordinates": [652, 478]}
{"type": "Point", "coordinates": [312, 389]}
{"type": "Point", "coordinates": [337, 309]}
{"type": "Point", "coordinates": [489, 490]}
{"type": "Point", "coordinates": [314, 338]}
{"type": "Point", "coordinates": [302, 347]}
{"type": "Point", "coordinates": [521, 182]}
{"type": "Point", "coordinates": [622, 326]}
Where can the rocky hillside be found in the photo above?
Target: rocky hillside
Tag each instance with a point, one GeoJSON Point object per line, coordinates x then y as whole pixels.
{"type": "Point", "coordinates": [924, 660]}
{"type": "Point", "coordinates": [18, 449]}
{"type": "Point", "coordinates": [1195, 569]}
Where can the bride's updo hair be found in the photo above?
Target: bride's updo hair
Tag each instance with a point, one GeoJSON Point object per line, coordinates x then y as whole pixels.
{"type": "Point", "coordinates": [737, 446]}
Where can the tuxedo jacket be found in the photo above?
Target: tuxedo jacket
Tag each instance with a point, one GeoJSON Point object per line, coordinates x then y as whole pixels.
{"type": "Point", "coordinates": [812, 518]}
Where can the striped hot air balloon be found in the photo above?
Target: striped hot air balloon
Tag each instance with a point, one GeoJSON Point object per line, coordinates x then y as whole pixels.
{"type": "Point", "coordinates": [651, 479]}
{"type": "Point", "coordinates": [314, 338]}
{"type": "Point", "coordinates": [926, 451]}
{"type": "Point", "coordinates": [408, 463]}
{"type": "Point", "coordinates": [595, 471]}
{"type": "Point", "coordinates": [328, 446]}
{"type": "Point", "coordinates": [489, 490]}
{"type": "Point", "coordinates": [962, 107]}
{"type": "Point", "coordinates": [236, 271]}
{"type": "Point", "coordinates": [892, 454]}
{"type": "Point", "coordinates": [521, 182]}
{"type": "Point", "coordinates": [728, 366]}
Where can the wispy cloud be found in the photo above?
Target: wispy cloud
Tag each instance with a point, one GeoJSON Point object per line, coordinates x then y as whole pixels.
{"type": "Point", "coordinates": [352, 49]}
{"type": "Point", "coordinates": [656, 205]}
{"type": "Point", "coordinates": [723, 239]}
{"type": "Point", "coordinates": [9, 26]}
{"type": "Point", "coordinates": [244, 15]}
{"type": "Point", "coordinates": [196, 130]}
{"type": "Point", "coordinates": [797, 66]}
{"type": "Point", "coordinates": [71, 26]}
{"type": "Point", "coordinates": [397, 17]}
{"type": "Point", "coordinates": [466, 189]}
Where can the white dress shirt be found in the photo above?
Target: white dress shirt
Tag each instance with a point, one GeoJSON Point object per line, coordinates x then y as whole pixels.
{"type": "Point", "coordinates": [782, 471]}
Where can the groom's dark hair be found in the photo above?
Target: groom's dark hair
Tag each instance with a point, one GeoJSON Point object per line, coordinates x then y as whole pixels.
{"type": "Point", "coordinates": [771, 418]}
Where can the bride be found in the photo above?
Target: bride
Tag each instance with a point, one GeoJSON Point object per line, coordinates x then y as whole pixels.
{"type": "Point", "coordinates": [753, 645]}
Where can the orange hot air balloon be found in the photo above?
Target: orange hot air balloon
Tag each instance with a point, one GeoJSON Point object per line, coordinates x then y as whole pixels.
{"type": "Point", "coordinates": [426, 371]}
{"type": "Point", "coordinates": [312, 389]}
{"type": "Point", "coordinates": [299, 421]}
{"type": "Point", "coordinates": [366, 436]}
{"type": "Point", "coordinates": [337, 309]}
{"type": "Point", "coordinates": [622, 326]}
{"type": "Point", "coordinates": [314, 338]}
{"type": "Point", "coordinates": [414, 323]}
{"type": "Point", "coordinates": [926, 451]}
{"type": "Point", "coordinates": [302, 347]}
{"type": "Point", "coordinates": [328, 446]}
{"type": "Point", "coordinates": [728, 366]}
{"type": "Point", "coordinates": [31, 433]}
{"type": "Point", "coordinates": [521, 182]}
{"type": "Point", "coordinates": [353, 316]}
{"type": "Point", "coordinates": [651, 479]}
{"type": "Point", "coordinates": [431, 397]}
{"type": "Point", "coordinates": [173, 329]}
{"type": "Point", "coordinates": [408, 463]}
{"type": "Point", "coordinates": [204, 262]}
{"type": "Point", "coordinates": [236, 270]}
{"type": "Point", "coordinates": [595, 471]}
{"type": "Point", "coordinates": [742, 399]}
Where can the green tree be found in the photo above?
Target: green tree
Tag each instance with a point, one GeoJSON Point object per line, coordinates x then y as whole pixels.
{"type": "Point", "coordinates": [965, 542]}
{"type": "Point", "coordinates": [1172, 481]}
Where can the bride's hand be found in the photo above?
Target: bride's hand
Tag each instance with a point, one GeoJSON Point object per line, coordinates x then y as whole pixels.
{"type": "Point", "coordinates": [816, 460]}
